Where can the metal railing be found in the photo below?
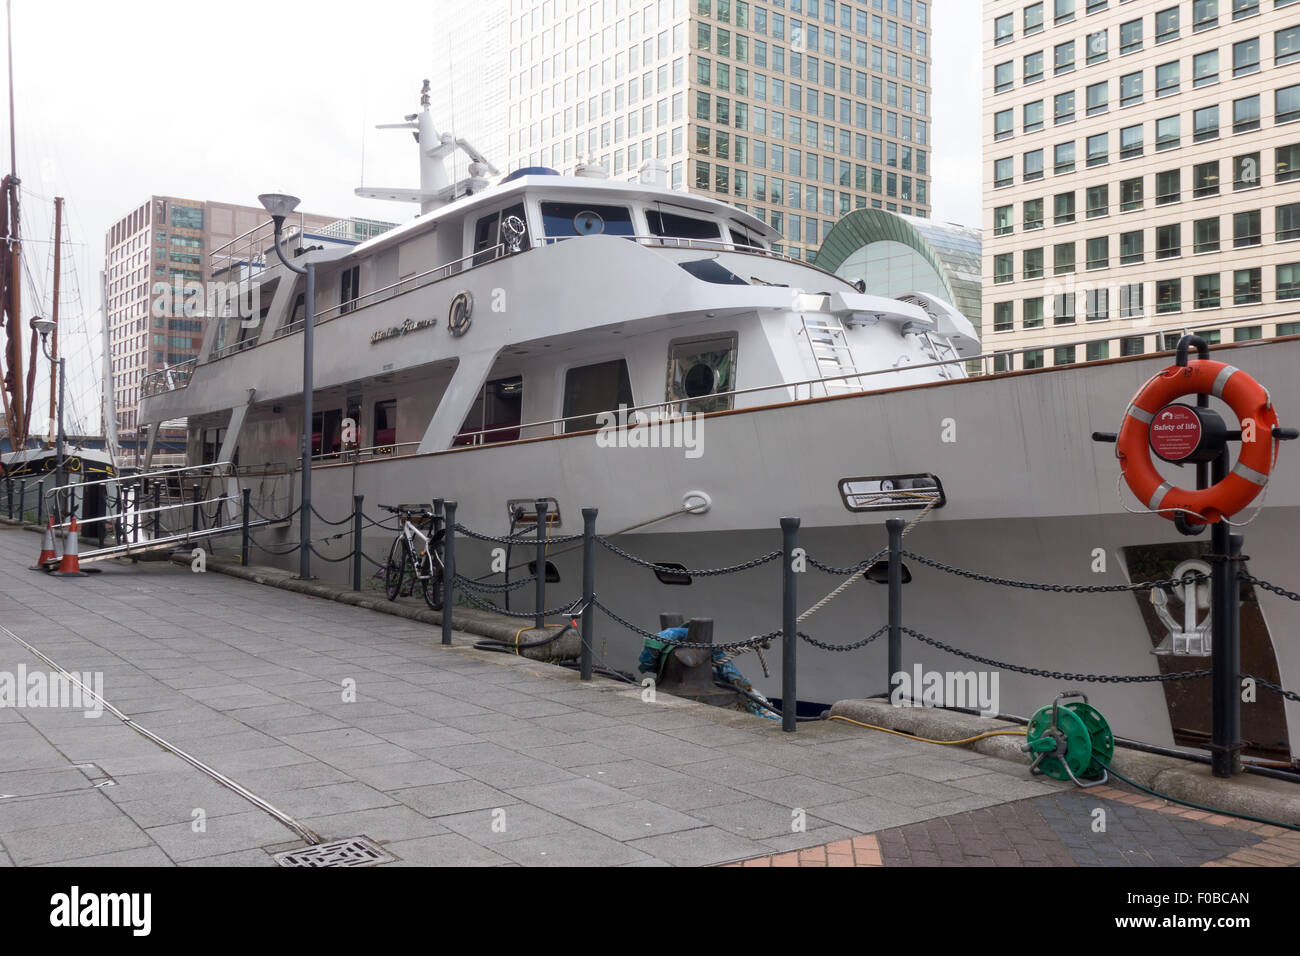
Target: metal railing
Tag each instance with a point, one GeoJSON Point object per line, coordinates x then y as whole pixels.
{"type": "Point", "coordinates": [169, 378]}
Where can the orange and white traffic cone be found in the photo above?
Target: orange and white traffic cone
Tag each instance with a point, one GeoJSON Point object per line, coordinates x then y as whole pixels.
{"type": "Point", "coordinates": [48, 555]}
{"type": "Point", "coordinates": [70, 565]}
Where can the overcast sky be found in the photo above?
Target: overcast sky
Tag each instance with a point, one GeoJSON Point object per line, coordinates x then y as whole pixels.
{"type": "Point", "coordinates": [120, 101]}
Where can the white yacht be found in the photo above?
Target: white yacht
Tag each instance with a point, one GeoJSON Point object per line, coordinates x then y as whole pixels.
{"type": "Point", "coordinates": [476, 347]}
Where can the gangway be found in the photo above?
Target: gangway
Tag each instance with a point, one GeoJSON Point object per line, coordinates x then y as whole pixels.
{"type": "Point", "coordinates": [161, 510]}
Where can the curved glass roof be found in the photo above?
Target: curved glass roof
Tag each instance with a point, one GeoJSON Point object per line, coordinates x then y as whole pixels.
{"type": "Point", "coordinates": [951, 251]}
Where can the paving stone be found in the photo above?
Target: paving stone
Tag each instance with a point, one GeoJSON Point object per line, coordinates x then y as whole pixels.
{"type": "Point", "coordinates": [706, 846]}
{"type": "Point", "coordinates": [446, 849]}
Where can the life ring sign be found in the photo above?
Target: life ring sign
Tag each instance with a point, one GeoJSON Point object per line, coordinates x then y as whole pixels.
{"type": "Point", "coordinates": [1179, 433]}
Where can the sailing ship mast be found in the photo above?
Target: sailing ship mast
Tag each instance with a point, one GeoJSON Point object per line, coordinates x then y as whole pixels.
{"type": "Point", "coordinates": [54, 336]}
{"type": "Point", "coordinates": [11, 371]}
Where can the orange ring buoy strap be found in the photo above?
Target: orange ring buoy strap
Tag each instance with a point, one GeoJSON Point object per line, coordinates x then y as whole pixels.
{"type": "Point", "coordinates": [1249, 402]}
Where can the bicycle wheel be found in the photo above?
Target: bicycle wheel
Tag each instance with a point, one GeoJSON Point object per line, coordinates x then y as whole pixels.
{"type": "Point", "coordinates": [399, 559]}
{"type": "Point", "coordinates": [433, 584]}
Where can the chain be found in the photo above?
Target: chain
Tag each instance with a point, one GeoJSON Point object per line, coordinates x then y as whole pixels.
{"type": "Point", "coordinates": [760, 641]}
{"type": "Point", "coordinates": [694, 572]}
{"type": "Point", "coordinates": [485, 588]}
{"type": "Point", "coordinates": [489, 606]}
{"type": "Point", "coordinates": [346, 557]}
{"type": "Point", "coordinates": [853, 569]}
{"type": "Point", "coordinates": [519, 538]}
{"type": "Point", "coordinates": [843, 647]}
{"type": "Point", "coordinates": [1289, 595]}
{"type": "Point", "coordinates": [1056, 675]}
{"type": "Point", "coordinates": [322, 518]}
{"type": "Point", "coordinates": [1275, 688]}
{"type": "Point", "coordinates": [1189, 577]}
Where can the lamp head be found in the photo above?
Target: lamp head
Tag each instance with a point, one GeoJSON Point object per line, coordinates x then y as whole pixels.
{"type": "Point", "coordinates": [42, 326]}
{"type": "Point", "coordinates": [279, 205]}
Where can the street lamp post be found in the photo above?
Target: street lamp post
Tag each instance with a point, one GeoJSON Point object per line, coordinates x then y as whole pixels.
{"type": "Point", "coordinates": [280, 206]}
{"type": "Point", "coordinates": [44, 327]}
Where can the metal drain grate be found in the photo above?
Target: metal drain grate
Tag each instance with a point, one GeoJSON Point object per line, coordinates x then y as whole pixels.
{"type": "Point", "coordinates": [355, 851]}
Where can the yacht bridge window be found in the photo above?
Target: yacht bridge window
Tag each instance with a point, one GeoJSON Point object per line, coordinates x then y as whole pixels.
{"type": "Point", "coordinates": [487, 233]}
{"type": "Point", "coordinates": [561, 220]}
{"type": "Point", "coordinates": [671, 225]}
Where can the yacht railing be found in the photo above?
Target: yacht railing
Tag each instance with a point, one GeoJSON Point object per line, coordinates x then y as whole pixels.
{"type": "Point", "coordinates": [976, 366]}
{"type": "Point", "coordinates": [168, 378]}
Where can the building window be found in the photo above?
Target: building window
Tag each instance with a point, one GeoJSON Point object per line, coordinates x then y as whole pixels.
{"type": "Point", "coordinates": [1032, 214]}
{"type": "Point", "coordinates": [1063, 258]}
{"type": "Point", "coordinates": [1287, 163]}
{"type": "Point", "coordinates": [1244, 8]}
{"type": "Point", "coordinates": [1167, 25]}
{"type": "Point", "coordinates": [1063, 209]}
{"type": "Point", "coordinates": [1063, 309]}
{"type": "Point", "coordinates": [1063, 158]}
{"type": "Point", "coordinates": [1097, 351]}
{"type": "Point", "coordinates": [1063, 107]}
{"type": "Point", "coordinates": [1288, 222]}
{"type": "Point", "coordinates": [1245, 171]}
{"type": "Point", "coordinates": [1130, 142]}
{"type": "Point", "coordinates": [1205, 235]}
{"type": "Point", "coordinates": [1207, 291]}
{"type": "Point", "coordinates": [1098, 46]}
{"type": "Point", "coordinates": [1169, 187]}
{"type": "Point", "coordinates": [1132, 300]}
{"type": "Point", "coordinates": [1205, 68]}
{"type": "Point", "coordinates": [1032, 260]}
{"type": "Point", "coordinates": [1002, 220]}
{"type": "Point", "coordinates": [1003, 124]}
{"type": "Point", "coordinates": [1205, 14]}
{"type": "Point", "coordinates": [1004, 77]}
{"type": "Point", "coordinates": [1097, 302]}
{"type": "Point", "coordinates": [1248, 333]}
{"type": "Point", "coordinates": [1004, 29]}
{"type": "Point", "coordinates": [1033, 19]}
{"type": "Point", "coordinates": [1032, 317]}
{"type": "Point", "coordinates": [1130, 194]}
{"type": "Point", "coordinates": [1131, 247]}
{"type": "Point", "coordinates": [1286, 46]}
{"type": "Point", "coordinates": [1132, 345]}
{"type": "Point", "coordinates": [1063, 355]}
{"type": "Point", "coordinates": [1098, 201]}
{"type": "Point", "coordinates": [1098, 150]}
{"type": "Point", "coordinates": [1168, 133]}
{"type": "Point", "coordinates": [1033, 71]}
{"type": "Point", "coordinates": [1098, 97]}
{"type": "Point", "coordinates": [1288, 284]}
{"type": "Point", "coordinates": [1032, 359]}
{"type": "Point", "coordinates": [1130, 89]}
{"type": "Point", "coordinates": [1169, 296]}
{"type": "Point", "coordinates": [1064, 10]}
{"type": "Point", "coordinates": [1169, 242]}
{"type": "Point", "coordinates": [1033, 164]}
{"type": "Point", "coordinates": [1167, 79]}
{"type": "Point", "coordinates": [1098, 251]}
{"type": "Point", "coordinates": [1003, 267]}
{"type": "Point", "coordinates": [1205, 179]}
{"type": "Point", "coordinates": [1205, 124]}
{"type": "Point", "coordinates": [1247, 288]}
{"type": "Point", "coordinates": [1245, 114]}
{"type": "Point", "coordinates": [1245, 57]}
{"type": "Point", "coordinates": [1033, 116]}
{"type": "Point", "coordinates": [1130, 36]}
{"type": "Point", "coordinates": [1003, 316]}
{"type": "Point", "coordinates": [1063, 58]}
{"type": "Point", "coordinates": [1287, 105]}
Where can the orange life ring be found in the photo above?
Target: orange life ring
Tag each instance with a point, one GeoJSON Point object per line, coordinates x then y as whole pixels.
{"type": "Point", "coordinates": [1248, 400]}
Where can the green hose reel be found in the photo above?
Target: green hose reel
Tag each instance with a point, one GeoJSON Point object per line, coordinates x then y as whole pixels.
{"type": "Point", "coordinates": [1070, 741]}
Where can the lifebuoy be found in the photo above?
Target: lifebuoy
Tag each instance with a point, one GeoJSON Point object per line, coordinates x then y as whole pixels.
{"type": "Point", "coordinates": [1248, 400]}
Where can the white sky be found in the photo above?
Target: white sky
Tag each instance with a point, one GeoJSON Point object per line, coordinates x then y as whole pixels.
{"type": "Point", "coordinates": [120, 101]}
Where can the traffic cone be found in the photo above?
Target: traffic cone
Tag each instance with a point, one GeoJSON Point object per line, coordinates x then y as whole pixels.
{"type": "Point", "coordinates": [48, 555]}
{"type": "Point", "coordinates": [70, 565]}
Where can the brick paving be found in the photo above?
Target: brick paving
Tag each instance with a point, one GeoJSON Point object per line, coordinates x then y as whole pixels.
{"type": "Point", "coordinates": [360, 724]}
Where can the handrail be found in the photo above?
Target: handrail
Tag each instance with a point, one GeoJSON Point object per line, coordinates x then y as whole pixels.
{"type": "Point", "coordinates": [959, 360]}
{"type": "Point", "coordinates": [161, 473]}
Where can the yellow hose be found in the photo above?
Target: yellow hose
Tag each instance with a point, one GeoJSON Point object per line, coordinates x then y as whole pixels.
{"type": "Point", "coordinates": [945, 743]}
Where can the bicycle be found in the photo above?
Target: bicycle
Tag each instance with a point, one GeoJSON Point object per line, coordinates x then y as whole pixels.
{"type": "Point", "coordinates": [415, 557]}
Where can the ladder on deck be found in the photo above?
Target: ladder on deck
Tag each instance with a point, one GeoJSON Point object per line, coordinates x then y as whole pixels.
{"type": "Point", "coordinates": [831, 354]}
{"type": "Point", "coordinates": [942, 350]}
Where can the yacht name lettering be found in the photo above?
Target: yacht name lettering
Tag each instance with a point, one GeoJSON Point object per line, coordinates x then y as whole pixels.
{"type": "Point", "coordinates": [397, 331]}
